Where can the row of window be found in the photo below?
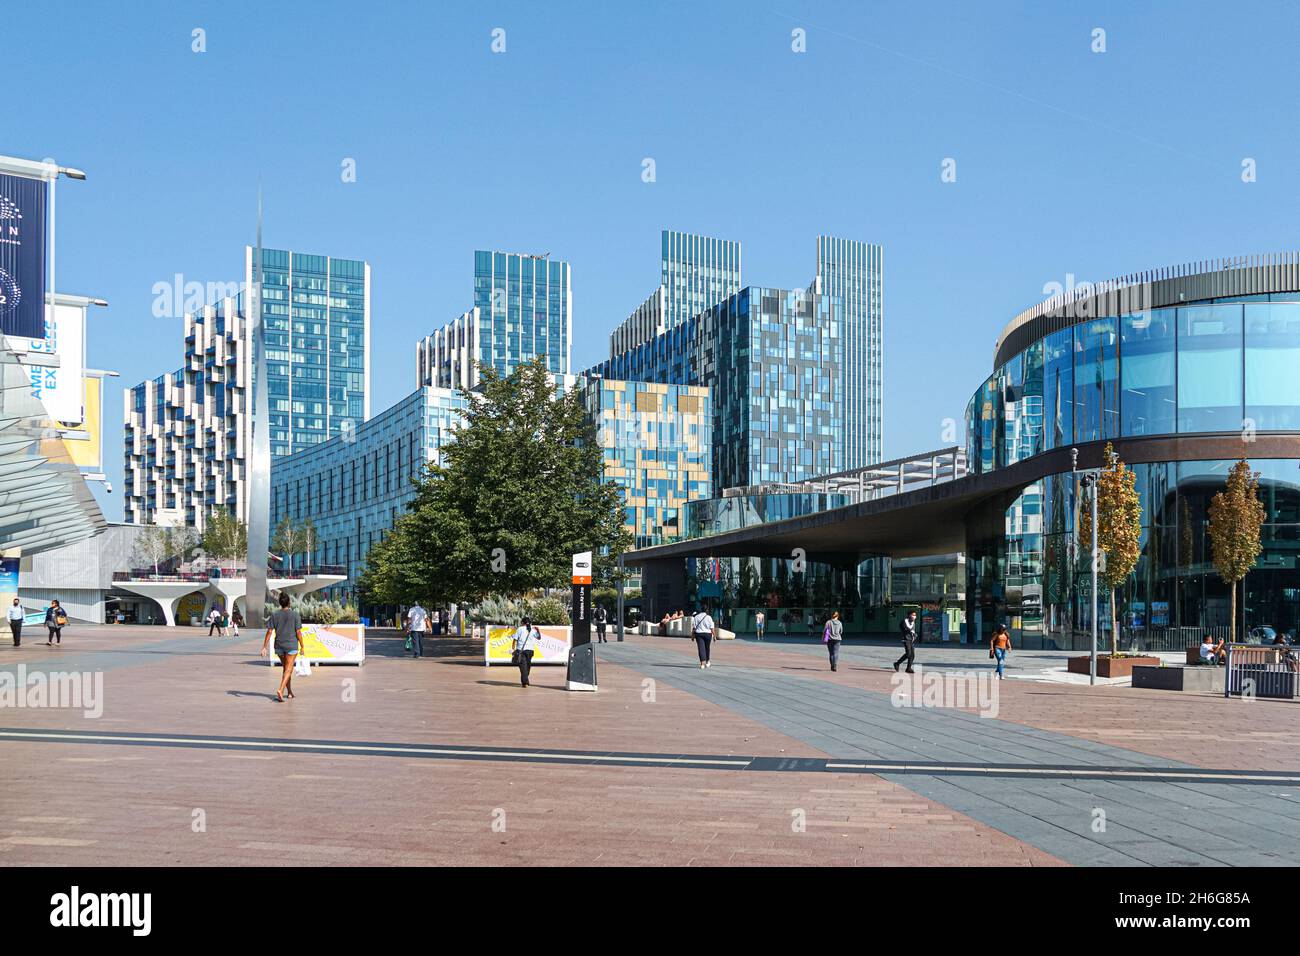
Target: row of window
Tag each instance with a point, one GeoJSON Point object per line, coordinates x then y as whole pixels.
{"type": "Point", "coordinates": [1223, 366]}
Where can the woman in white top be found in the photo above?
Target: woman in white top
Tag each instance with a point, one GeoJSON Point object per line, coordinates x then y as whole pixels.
{"type": "Point", "coordinates": [525, 639]}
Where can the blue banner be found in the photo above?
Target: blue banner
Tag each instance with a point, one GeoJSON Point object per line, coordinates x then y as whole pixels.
{"type": "Point", "coordinates": [22, 256]}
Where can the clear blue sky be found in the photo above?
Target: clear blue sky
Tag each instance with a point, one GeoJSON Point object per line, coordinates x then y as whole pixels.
{"type": "Point", "coordinates": [1068, 161]}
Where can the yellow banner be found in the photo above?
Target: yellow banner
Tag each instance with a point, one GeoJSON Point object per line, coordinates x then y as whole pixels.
{"type": "Point", "coordinates": [553, 648]}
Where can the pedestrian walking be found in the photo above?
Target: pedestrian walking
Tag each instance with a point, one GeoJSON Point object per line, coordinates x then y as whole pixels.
{"type": "Point", "coordinates": [760, 622]}
{"type": "Point", "coordinates": [525, 641]}
{"type": "Point", "coordinates": [56, 619]}
{"type": "Point", "coordinates": [15, 615]}
{"type": "Point", "coordinates": [702, 630]}
{"type": "Point", "coordinates": [286, 625]}
{"type": "Point", "coordinates": [214, 621]}
{"type": "Point", "coordinates": [601, 618]}
{"type": "Point", "coordinates": [833, 636]}
{"type": "Point", "coordinates": [444, 622]}
{"type": "Point", "coordinates": [416, 618]}
{"type": "Point", "coordinates": [236, 622]}
{"type": "Point", "coordinates": [1000, 647]}
{"type": "Point", "coordinates": [811, 621]}
{"type": "Point", "coordinates": [907, 629]}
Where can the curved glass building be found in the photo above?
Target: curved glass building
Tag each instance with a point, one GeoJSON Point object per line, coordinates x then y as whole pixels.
{"type": "Point", "coordinates": [1185, 371]}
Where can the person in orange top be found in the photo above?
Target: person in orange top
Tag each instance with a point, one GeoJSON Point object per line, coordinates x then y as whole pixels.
{"type": "Point", "coordinates": [1000, 647]}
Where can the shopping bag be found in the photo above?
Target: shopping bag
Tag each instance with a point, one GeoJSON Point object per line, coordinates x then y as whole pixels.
{"type": "Point", "coordinates": [301, 667]}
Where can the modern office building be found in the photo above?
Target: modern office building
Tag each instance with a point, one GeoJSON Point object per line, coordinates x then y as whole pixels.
{"type": "Point", "coordinates": [316, 316]}
{"type": "Point", "coordinates": [695, 274]}
{"type": "Point", "coordinates": [773, 362]}
{"type": "Point", "coordinates": [354, 486]}
{"type": "Point", "coordinates": [657, 447]}
{"type": "Point", "coordinates": [1184, 370]}
{"type": "Point", "coordinates": [851, 272]}
{"type": "Point", "coordinates": [523, 308]}
{"type": "Point", "coordinates": [188, 431]}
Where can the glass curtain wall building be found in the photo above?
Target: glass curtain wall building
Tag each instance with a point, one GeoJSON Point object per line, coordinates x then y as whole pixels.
{"type": "Point", "coordinates": [657, 446]}
{"type": "Point", "coordinates": [852, 273]}
{"type": "Point", "coordinates": [773, 362]}
{"type": "Point", "coordinates": [1185, 371]}
{"type": "Point", "coordinates": [354, 486]}
{"type": "Point", "coordinates": [316, 315]}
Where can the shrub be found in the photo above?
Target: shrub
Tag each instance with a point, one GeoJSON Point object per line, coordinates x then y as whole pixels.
{"type": "Point", "coordinates": [497, 610]}
{"type": "Point", "coordinates": [548, 611]}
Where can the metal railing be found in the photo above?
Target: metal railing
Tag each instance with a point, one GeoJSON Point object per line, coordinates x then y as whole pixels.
{"type": "Point", "coordinates": [1267, 670]}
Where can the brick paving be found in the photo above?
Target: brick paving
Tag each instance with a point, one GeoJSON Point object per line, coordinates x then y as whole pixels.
{"type": "Point", "coordinates": [849, 714]}
{"type": "Point", "coordinates": [100, 805]}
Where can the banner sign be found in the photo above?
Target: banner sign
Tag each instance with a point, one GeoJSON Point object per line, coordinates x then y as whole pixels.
{"type": "Point", "coordinates": [9, 581]}
{"type": "Point", "coordinates": [22, 256]}
{"type": "Point", "coordinates": [331, 644]}
{"type": "Point", "coordinates": [88, 452]}
{"type": "Point", "coordinates": [60, 389]}
{"type": "Point", "coordinates": [553, 648]}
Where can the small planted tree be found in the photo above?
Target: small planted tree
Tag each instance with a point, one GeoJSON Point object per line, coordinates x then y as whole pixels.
{"type": "Point", "coordinates": [225, 537]}
{"type": "Point", "coordinates": [1236, 516]}
{"type": "Point", "coordinates": [1119, 530]}
{"type": "Point", "coordinates": [286, 541]}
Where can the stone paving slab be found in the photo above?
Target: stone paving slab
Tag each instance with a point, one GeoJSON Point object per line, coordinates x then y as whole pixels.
{"type": "Point", "coordinates": [1056, 816]}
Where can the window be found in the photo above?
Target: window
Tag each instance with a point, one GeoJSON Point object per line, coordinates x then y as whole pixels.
{"type": "Point", "coordinates": [1147, 401]}
{"type": "Point", "coordinates": [1209, 368]}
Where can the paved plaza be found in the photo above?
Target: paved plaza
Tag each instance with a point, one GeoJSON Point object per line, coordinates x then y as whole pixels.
{"type": "Point", "coordinates": [765, 758]}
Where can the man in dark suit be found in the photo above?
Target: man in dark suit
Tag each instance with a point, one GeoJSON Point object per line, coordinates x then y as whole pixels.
{"type": "Point", "coordinates": [907, 629]}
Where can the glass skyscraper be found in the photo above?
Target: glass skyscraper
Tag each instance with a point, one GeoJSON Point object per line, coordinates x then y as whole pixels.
{"type": "Point", "coordinates": [850, 271]}
{"type": "Point", "coordinates": [524, 304]}
{"type": "Point", "coordinates": [696, 272]}
{"type": "Point", "coordinates": [316, 315]}
{"type": "Point", "coordinates": [774, 363]}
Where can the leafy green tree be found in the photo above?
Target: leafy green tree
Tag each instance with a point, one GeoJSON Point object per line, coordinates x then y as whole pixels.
{"type": "Point", "coordinates": [518, 492]}
{"type": "Point", "coordinates": [1236, 516]}
{"type": "Point", "coordinates": [224, 535]}
{"type": "Point", "coordinates": [1119, 529]}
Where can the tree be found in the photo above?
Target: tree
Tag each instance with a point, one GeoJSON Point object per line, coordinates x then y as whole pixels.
{"type": "Point", "coordinates": [224, 535]}
{"type": "Point", "coordinates": [518, 492]}
{"type": "Point", "coordinates": [157, 544]}
{"type": "Point", "coordinates": [307, 540]}
{"type": "Point", "coordinates": [1235, 517]}
{"type": "Point", "coordinates": [1119, 529]}
{"type": "Point", "coordinates": [286, 541]}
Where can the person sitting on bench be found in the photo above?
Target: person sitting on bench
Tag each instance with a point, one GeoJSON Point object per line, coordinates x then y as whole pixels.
{"type": "Point", "coordinates": [1211, 653]}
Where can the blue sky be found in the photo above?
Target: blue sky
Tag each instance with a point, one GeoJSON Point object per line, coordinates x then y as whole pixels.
{"type": "Point", "coordinates": [1069, 162]}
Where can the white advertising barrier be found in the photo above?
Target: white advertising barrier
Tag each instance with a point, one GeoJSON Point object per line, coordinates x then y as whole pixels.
{"type": "Point", "coordinates": [330, 644]}
{"type": "Point", "coordinates": [553, 648]}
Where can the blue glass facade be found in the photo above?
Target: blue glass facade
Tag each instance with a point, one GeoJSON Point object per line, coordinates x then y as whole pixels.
{"type": "Point", "coordinates": [524, 310]}
{"type": "Point", "coordinates": [773, 361]}
{"type": "Point", "coordinates": [852, 273]}
{"type": "Point", "coordinates": [1214, 367]}
{"type": "Point", "coordinates": [354, 486]}
{"type": "Point", "coordinates": [1203, 368]}
{"type": "Point", "coordinates": [316, 315]}
{"type": "Point", "coordinates": [696, 272]}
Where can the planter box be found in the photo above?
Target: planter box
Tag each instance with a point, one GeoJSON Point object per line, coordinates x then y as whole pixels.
{"type": "Point", "coordinates": [1192, 678]}
{"type": "Point", "coordinates": [1111, 666]}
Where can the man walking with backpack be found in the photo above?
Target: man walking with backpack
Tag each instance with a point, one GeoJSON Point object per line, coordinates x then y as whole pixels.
{"type": "Point", "coordinates": [908, 631]}
{"type": "Point", "coordinates": [702, 630]}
